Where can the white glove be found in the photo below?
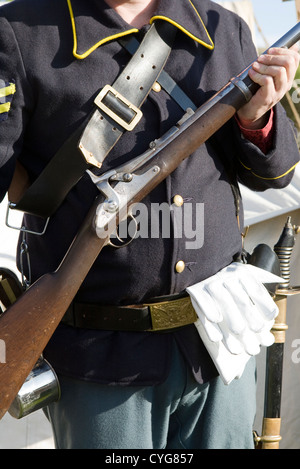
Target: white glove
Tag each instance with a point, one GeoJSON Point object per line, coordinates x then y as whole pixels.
{"type": "Point", "coordinates": [236, 314]}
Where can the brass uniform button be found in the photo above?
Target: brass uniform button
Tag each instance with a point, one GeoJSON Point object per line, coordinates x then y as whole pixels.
{"type": "Point", "coordinates": [156, 87]}
{"type": "Point", "coordinates": [178, 200]}
{"type": "Point", "coordinates": [179, 267]}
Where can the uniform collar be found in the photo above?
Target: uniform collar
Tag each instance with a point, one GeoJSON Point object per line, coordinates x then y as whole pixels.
{"type": "Point", "coordinates": [87, 36]}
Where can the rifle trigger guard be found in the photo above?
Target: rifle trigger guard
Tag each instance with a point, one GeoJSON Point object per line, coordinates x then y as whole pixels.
{"type": "Point", "coordinates": [118, 237]}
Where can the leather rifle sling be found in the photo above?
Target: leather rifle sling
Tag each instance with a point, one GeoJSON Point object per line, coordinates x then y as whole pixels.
{"type": "Point", "coordinates": [164, 80]}
{"type": "Point", "coordinates": [19, 184]}
{"type": "Point", "coordinates": [117, 110]}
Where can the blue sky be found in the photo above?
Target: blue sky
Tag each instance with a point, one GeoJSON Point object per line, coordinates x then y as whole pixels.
{"type": "Point", "coordinates": [275, 17]}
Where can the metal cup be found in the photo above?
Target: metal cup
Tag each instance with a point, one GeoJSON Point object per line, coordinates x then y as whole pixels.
{"type": "Point", "coordinates": [40, 389]}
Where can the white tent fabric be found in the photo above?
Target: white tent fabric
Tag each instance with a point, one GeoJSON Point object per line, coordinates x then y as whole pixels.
{"type": "Point", "coordinates": [260, 206]}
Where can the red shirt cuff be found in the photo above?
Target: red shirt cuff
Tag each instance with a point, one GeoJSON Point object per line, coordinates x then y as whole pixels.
{"type": "Point", "coordinates": [262, 138]}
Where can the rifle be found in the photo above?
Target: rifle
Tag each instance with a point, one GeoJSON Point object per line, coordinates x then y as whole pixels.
{"type": "Point", "coordinates": [29, 323]}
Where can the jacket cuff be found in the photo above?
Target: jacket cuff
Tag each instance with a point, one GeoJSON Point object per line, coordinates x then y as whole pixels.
{"type": "Point", "coordinates": [262, 138]}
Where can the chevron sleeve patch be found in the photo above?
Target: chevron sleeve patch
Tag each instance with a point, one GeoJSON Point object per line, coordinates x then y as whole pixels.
{"type": "Point", "coordinates": [7, 90]}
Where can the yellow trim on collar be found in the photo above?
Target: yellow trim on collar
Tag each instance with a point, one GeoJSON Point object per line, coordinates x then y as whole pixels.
{"type": "Point", "coordinates": [210, 46]}
{"type": "Point", "coordinates": [130, 31]}
{"type": "Point", "coordinates": [95, 46]}
{"type": "Point", "coordinates": [269, 179]}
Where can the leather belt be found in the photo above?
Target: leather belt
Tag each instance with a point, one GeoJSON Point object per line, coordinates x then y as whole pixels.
{"type": "Point", "coordinates": [156, 316]}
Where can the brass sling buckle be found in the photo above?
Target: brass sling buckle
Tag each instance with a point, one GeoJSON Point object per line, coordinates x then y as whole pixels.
{"type": "Point", "coordinates": [118, 108]}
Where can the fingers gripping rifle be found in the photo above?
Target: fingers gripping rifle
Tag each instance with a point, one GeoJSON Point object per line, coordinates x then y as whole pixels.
{"type": "Point", "coordinates": [28, 324]}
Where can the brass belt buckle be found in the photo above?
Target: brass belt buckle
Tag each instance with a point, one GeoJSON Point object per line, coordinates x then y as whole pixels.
{"type": "Point", "coordinates": [172, 314]}
{"type": "Point", "coordinates": [121, 102]}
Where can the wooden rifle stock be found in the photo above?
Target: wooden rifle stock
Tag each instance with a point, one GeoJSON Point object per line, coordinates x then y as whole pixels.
{"type": "Point", "coordinates": [29, 323]}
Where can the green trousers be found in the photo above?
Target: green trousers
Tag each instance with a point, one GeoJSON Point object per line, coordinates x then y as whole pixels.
{"type": "Point", "coordinates": [177, 414]}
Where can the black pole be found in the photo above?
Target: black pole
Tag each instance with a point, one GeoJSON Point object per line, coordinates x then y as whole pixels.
{"type": "Point", "coordinates": [275, 353]}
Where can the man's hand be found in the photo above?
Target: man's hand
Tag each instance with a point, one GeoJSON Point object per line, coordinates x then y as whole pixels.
{"type": "Point", "coordinates": [274, 72]}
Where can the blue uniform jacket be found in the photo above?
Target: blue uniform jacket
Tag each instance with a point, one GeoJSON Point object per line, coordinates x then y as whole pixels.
{"type": "Point", "coordinates": [55, 55]}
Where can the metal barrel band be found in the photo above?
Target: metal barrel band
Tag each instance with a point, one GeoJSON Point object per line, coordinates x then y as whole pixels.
{"type": "Point", "coordinates": [236, 81]}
